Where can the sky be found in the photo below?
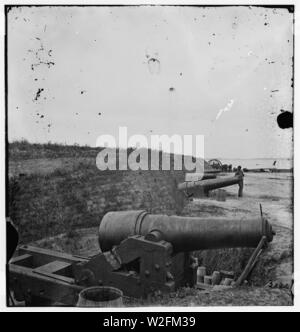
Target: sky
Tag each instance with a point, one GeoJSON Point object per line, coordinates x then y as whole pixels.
{"type": "Point", "coordinates": [75, 73]}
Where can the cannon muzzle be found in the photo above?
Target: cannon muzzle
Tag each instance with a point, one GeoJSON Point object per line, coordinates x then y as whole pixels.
{"type": "Point", "coordinates": [184, 233]}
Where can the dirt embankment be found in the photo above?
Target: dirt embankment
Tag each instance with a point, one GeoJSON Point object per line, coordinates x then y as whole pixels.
{"type": "Point", "coordinates": [58, 195]}
{"type": "Point", "coordinates": [61, 201]}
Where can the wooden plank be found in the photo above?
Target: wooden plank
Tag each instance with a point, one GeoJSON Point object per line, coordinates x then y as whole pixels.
{"type": "Point", "coordinates": [24, 260]}
{"type": "Point", "coordinates": [251, 261]}
{"type": "Point", "coordinates": [56, 276]}
{"type": "Point", "coordinates": [43, 256]}
{"type": "Point", "coordinates": [52, 267]}
{"type": "Point", "coordinates": [29, 282]}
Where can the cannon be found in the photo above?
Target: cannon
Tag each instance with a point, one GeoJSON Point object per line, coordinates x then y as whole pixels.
{"type": "Point", "coordinates": [141, 254]}
{"type": "Point", "coordinates": [184, 233]}
{"type": "Point", "coordinates": [192, 177]}
{"type": "Point", "coordinates": [204, 186]}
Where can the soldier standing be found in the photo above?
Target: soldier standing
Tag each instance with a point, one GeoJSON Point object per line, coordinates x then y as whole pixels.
{"type": "Point", "coordinates": [240, 174]}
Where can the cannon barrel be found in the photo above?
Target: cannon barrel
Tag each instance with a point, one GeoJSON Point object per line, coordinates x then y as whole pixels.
{"type": "Point", "coordinates": [195, 177]}
{"type": "Point", "coordinates": [184, 233]}
{"type": "Point", "coordinates": [210, 184]}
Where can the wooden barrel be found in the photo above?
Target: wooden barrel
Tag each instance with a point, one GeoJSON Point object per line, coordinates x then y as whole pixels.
{"type": "Point", "coordinates": [103, 296]}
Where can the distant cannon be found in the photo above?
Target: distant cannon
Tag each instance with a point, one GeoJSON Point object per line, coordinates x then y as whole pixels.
{"type": "Point", "coordinates": [141, 254]}
{"type": "Point", "coordinates": [215, 164]}
{"type": "Point", "coordinates": [204, 186]}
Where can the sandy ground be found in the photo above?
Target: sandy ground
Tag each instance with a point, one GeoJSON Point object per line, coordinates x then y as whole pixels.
{"type": "Point", "coordinates": [275, 267]}
{"type": "Point", "coordinates": [275, 193]}
{"type": "Point", "coordinates": [272, 190]}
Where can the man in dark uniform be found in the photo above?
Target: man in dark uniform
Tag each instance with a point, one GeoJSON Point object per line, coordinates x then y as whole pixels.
{"type": "Point", "coordinates": [240, 174]}
{"type": "Point", "coordinates": [12, 238]}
